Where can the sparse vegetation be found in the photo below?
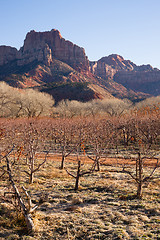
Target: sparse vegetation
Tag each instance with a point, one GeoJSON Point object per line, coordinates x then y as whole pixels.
{"type": "Point", "coordinates": [102, 208]}
{"type": "Point", "coordinates": [110, 148]}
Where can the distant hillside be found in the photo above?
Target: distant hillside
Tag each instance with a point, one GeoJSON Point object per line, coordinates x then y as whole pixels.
{"type": "Point", "coordinates": [50, 63]}
{"type": "Point", "coordinates": [145, 78]}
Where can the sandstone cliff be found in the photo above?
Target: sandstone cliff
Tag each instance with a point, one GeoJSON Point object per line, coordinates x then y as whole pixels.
{"type": "Point", "coordinates": [47, 58]}
{"type": "Point", "coordinates": [43, 47]}
{"type": "Point", "coordinates": [142, 78]}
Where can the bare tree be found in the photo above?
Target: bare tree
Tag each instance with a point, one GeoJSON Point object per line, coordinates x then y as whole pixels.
{"type": "Point", "coordinates": [115, 107]}
{"type": "Point", "coordinates": [36, 103]}
{"type": "Point", "coordinates": [33, 141]}
{"type": "Point", "coordinates": [19, 103]}
{"type": "Point", "coordinates": [141, 151]}
{"type": "Point", "coordinates": [79, 174]}
{"type": "Point", "coordinates": [26, 209]}
{"type": "Point", "coordinates": [100, 140]}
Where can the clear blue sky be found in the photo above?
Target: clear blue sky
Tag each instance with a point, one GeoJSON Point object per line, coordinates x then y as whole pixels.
{"type": "Point", "coordinates": [130, 28]}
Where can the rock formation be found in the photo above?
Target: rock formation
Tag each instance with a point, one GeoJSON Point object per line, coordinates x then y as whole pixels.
{"type": "Point", "coordinates": [102, 69]}
{"type": "Point", "coordinates": [142, 78]}
{"type": "Point", "coordinates": [7, 54]}
{"type": "Point", "coordinates": [42, 47]}
{"type": "Point", "coordinates": [46, 58]}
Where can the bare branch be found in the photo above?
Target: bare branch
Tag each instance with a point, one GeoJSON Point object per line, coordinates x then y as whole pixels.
{"type": "Point", "coordinates": [70, 152]}
{"type": "Point", "coordinates": [150, 176]}
{"type": "Point", "coordinates": [70, 173]}
{"type": "Point", "coordinates": [6, 155]}
{"type": "Point", "coordinates": [27, 216]}
{"type": "Point", "coordinates": [36, 169]}
{"type": "Point", "coordinates": [28, 198]}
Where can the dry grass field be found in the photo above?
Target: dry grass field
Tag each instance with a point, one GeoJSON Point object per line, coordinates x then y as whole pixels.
{"type": "Point", "coordinates": [104, 207]}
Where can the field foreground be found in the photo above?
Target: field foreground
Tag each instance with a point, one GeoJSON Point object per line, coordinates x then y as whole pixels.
{"type": "Point", "coordinates": [104, 207]}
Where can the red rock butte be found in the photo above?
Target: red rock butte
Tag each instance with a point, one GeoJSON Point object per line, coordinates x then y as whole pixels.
{"type": "Point", "coordinates": [42, 47]}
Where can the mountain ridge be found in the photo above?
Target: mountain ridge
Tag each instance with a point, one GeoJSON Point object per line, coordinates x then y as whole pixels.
{"type": "Point", "coordinates": [47, 57]}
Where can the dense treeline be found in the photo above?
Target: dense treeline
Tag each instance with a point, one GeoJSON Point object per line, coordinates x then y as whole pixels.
{"type": "Point", "coordinates": [15, 103]}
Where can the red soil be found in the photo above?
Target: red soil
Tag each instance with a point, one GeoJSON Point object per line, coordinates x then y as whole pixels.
{"type": "Point", "coordinates": [105, 161]}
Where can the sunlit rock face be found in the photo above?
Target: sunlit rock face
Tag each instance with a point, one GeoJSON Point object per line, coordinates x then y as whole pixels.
{"type": "Point", "coordinates": [43, 46]}
{"type": "Point", "coordinates": [142, 78]}
{"type": "Point", "coordinates": [37, 62]}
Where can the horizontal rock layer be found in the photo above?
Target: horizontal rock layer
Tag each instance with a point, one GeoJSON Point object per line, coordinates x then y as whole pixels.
{"type": "Point", "coordinates": [142, 78]}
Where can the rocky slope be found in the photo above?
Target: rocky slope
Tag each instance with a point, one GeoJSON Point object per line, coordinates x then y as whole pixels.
{"type": "Point", "coordinates": [7, 54]}
{"type": "Point", "coordinates": [47, 58]}
{"type": "Point", "coordinates": [143, 78]}
{"type": "Point", "coordinates": [51, 63]}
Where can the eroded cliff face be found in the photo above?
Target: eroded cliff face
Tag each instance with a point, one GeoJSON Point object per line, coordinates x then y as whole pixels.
{"type": "Point", "coordinates": [47, 57]}
{"type": "Point", "coordinates": [147, 81]}
{"type": "Point", "coordinates": [43, 47]}
{"type": "Point", "coordinates": [108, 66]}
{"type": "Point", "coordinates": [102, 69]}
{"type": "Point", "coordinates": [142, 78]}
{"type": "Point", "coordinates": [7, 54]}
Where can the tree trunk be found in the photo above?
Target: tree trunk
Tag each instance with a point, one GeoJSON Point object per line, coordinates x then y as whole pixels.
{"type": "Point", "coordinates": [78, 176]}
{"type": "Point", "coordinates": [98, 165]}
{"type": "Point", "coordinates": [62, 162]}
{"type": "Point", "coordinates": [27, 216]}
{"type": "Point", "coordinates": [124, 137]}
{"type": "Point", "coordinates": [139, 176]}
{"type": "Point", "coordinates": [31, 176]}
{"type": "Point", "coordinates": [139, 190]}
{"type": "Point", "coordinates": [31, 170]}
{"type": "Point", "coordinates": [136, 168]}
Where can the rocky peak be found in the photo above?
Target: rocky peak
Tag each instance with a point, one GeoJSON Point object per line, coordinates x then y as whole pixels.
{"type": "Point", "coordinates": [145, 68]}
{"type": "Point", "coordinates": [38, 44]}
{"type": "Point", "coordinates": [117, 62]}
{"type": "Point", "coordinates": [43, 47]}
{"type": "Point", "coordinates": [107, 66]}
{"type": "Point", "coordinates": [142, 78]}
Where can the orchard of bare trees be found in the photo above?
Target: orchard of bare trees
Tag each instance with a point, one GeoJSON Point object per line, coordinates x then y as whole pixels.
{"type": "Point", "coordinates": [96, 138]}
{"type": "Point", "coordinates": [113, 134]}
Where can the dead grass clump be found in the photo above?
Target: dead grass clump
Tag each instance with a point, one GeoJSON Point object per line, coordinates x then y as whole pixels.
{"type": "Point", "coordinates": [74, 208]}
{"type": "Point", "coordinates": [110, 215]}
{"type": "Point", "coordinates": [10, 217]}
{"type": "Point", "coordinates": [135, 232]}
{"type": "Point", "coordinates": [152, 212]}
{"type": "Point", "coordinates": [144, 218]}
{"type": "Point", "coordinates": [127, 197]}
{"type": "Point", "coordinates": [121, 234]}
{"type": "Point", "coordinates": [133, 220]}
{"type": "Point", "coordinates": [76, 201]}
{"type": "Point", "coordinates": [121, 216]}
{"type": "Point", "coordinates": [13, 237]}
{"type": "Point", "coordinates": [28, 238]}
{"type": "Point", "coordinates": [53, 173]}
{"type": "Point", "coordinates": [39, 221]}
